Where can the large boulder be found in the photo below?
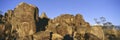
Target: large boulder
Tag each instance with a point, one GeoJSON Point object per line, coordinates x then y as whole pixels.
{"type": "Point", "coordinates": [24, 19]}
{"type": "Point", "coordinates": [98, 32]}
{"type": "Point", "coordinates": [111, 34]}
{"type": "Point", "coordinates": [61, 25]}
{"type": "Point", "coordinates": [79, 21]}
{"type": "Point", "coordinates": [68, 24]}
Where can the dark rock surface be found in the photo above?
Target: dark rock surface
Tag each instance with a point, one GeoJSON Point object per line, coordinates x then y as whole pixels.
{"type": "Point", "coordinates": [24, 23]}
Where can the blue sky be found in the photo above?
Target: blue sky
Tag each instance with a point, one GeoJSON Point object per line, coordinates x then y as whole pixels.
{"type": "Point", "coordinates": [90, 9]}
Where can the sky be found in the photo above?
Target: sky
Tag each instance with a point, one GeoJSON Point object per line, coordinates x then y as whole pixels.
{"type": "Point", "coordinates": [90, 9]}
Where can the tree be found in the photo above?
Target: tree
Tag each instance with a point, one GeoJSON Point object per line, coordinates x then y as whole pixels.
{"type": "Point", "coordinates": [96, 20]}
{"type": "Point", "coordinates": [108, 25]}
{"type": "Point", "coordinates": [105, 23]}
{"type": "Point", "coordinates": [103, 19]}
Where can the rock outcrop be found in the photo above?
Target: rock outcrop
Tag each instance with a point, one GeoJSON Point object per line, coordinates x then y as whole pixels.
{"type": "Point", "coordinates": [24, 19]}
{"type": "Point", "coordinates": [24, 23]}
{"type": "Point", "coordinates": [43, 15]}
{"type": "Point", "coordinates": [97, 30]}
{"type": "Point", "coordinates": [43, 35]}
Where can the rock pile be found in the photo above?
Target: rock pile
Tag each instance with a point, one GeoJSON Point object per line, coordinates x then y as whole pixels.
{"type": "Point", "coordinates": [24, 23]}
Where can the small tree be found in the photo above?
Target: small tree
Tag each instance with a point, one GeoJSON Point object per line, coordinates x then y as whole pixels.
{"type": "Point", "coordinates": [103, 20]}
{"type": "Point", "coordinates": [108, 25]}
{"type": "Point", "coordinates": [105, 23]}
{"type": "Point", "coordinates": [96, 20]}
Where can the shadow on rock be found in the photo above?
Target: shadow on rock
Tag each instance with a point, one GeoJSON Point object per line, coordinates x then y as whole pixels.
{"type": "Point", "coordinates": [42, 24]}
{"type": "Point", "coordinates": [67, 37]}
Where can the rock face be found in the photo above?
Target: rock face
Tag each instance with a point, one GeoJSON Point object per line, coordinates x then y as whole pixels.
{"type": "Point", "coordinates": [9, 15]}
{"type": "Point", "coordinates": [97, 30]}
{"type": "Point", "coordinates": [67, 24]}
{"type": "Point", "coordinates": [24, 19]}
{"type": "Point", "coordinates": [44, 35]}
{"type": "Point", "coordinates": [24, 23]}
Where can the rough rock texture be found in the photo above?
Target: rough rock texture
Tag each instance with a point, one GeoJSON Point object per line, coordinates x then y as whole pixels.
{"type": "Point", "coordinates": [43, 15]}
{"type": "Point", "coordinates": [2, 31]}
{"type": "Point", "coordinates": [56, 36]}
{"type": "Point", "coordinates": [25, 16]}
{"type": "Point", "coordinates": [97, 30]}
{"type": "Point", "coordinates": [9, 15]}
{"type": "Point", "coordinates": [66, 24]}
{"type": "Point", "coordinates": [44, 35]}
{"type": "Point", "coordinates": [24, 23]}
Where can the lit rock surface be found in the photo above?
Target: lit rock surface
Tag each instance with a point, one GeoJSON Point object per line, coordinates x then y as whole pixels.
{"type": "Point", "coordinates": [43, 15]}
{"type": "Point", "coordinates": [97, 30]}
{"type": "Point", "coordinates": [24, 19]}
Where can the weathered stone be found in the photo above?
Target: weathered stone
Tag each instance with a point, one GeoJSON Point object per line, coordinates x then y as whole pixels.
{"type": "Point", "coordinates": [56, 36]}
{"type": "Point", "coordinates": [61, 25]}
{"type": "Point", "coordinates": [68, 24]}
{"type": "Point", "coordinates": [5, 31]}
{"type": "Point", "coordinates": [43, 35]}
{"type": "Point", "coordinates": [89, 36]}
{"type": "Point", "coordinates": [43, 15]}
{"type": "Point", "coordinates": [24, 20]}
{"type": "Point", "coordinates": [63, 30]}
{"type": "Point", "coordinates": [2, 31]}
{"type": "Point", "coordinates": [25, 38]}
{"type": "Point", "coordinates": [9, 15]}
{"type": "Point", "coordinates": [111, 34]}
{"type": "Point", "coordinates": [97, 31]}
{"type": "Point", "coordinates": [80, 32]}
{"type": "Point", "coordinates": [78, 21]}
{"type": "Point", "coordinates": [2, 28]}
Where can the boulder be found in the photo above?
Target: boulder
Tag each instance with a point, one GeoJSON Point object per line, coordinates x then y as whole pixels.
{"type": "Point", "coordinates": [61, 25]}
{"type": "Point", "coordinates": [2, 28]}
{"type": "Point", "coordinates": [24, 20]}
{"type": "Point", "coordinates": [80, 32]}
{"type": "Point", "coordinates": [24, 38]}
{"type": "Point", "coordinates": [2, 31]}
{"type": "Point", "coordinates": [9, 15]}
{"type": "Point", "coordinates": [56, 36]}
{"type": "Point", "coordinates": [98, 32]}
{"type": "Point", "coordinates": [43, 35]}
{"type": "Point", "coordinates": [5, 31]}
